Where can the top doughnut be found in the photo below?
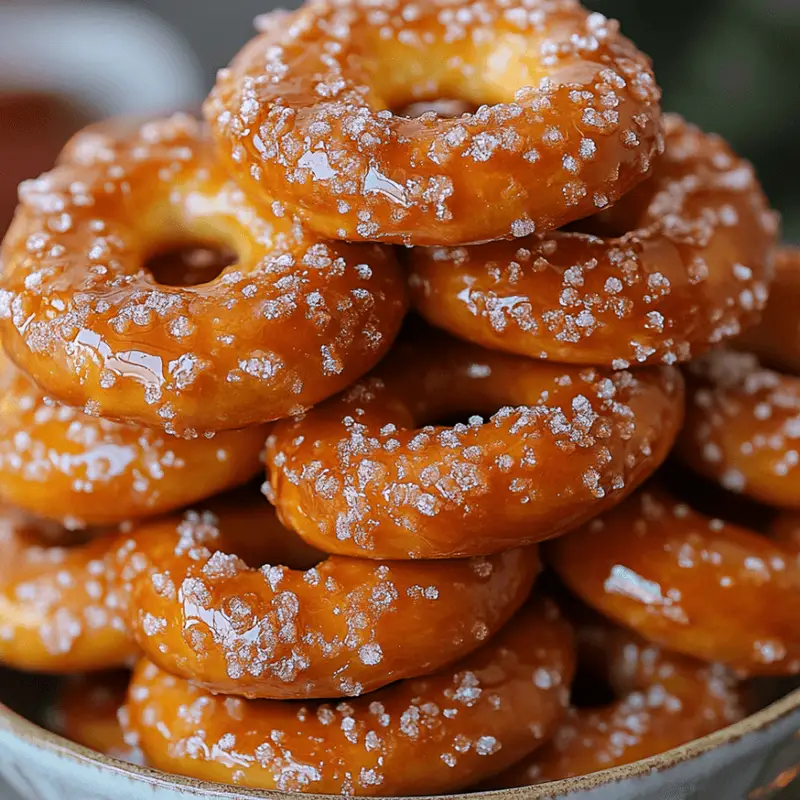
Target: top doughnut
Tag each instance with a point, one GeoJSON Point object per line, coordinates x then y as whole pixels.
{"type": "Point", "coordinates": [567, 118]}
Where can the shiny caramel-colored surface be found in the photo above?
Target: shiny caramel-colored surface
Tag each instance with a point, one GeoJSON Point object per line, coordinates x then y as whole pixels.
{"type": "Point", "coordinates": [777, 339]}
{"type": "Point", "coordinates": [680, 263]}
{"type": "Point", "coordinates": [60, 463]}
{"type": "Point", "coordinates": [60, 608]}
{"type": "Point", "coordinates": [567, 118]}
{"type": "Point", "coordinates": [426, 736]}
{"type": "Point", "coordinates": [294, 320]}
{"type": "Point", "coordinates": [743, 427]}
{"type": "Point", "coordinates": [662, 700]}
{"type": "Point", "coordinates": [690, 583]}
{"type": "Point", "coordinates": [343, 627]}
{"type": "Point", "coordinates": [366, 475]}
{"type": "Point", "coordinates": [87, 710]}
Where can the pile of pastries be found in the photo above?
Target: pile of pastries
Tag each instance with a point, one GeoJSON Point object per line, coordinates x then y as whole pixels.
{"type": "Point", "coordinates": [331, 423]}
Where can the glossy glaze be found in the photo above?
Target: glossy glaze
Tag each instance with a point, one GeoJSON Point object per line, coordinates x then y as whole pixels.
{"type": "Point", "coordinates": [680, 263]}
{"type": "Point", "coordinates": [777, 338]}
{"type": "Point", "coordinates": [341, 628]}
{"type": "Point", "coordinates": [743, 427]}
{"type": "Point", "coordinates": [60, 608]}
{"type": "Point", "coordinates": [429, 735]}
{"type": "Point", "coordinates": [365, 475]}
{"type": "Point", "coordinates": [696, 585]}
{"type": "Point", "coordinates": [295, 320]}
{"type": "Point", "coordinates": [60, 463]}
{"type": "Point", "coordinates": [568, 117]}
{"type": "Point", "coordinates": [663, 700]}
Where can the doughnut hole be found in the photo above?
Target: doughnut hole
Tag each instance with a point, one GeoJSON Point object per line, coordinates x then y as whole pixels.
{"type": "Point", "coordinates": [591, 687]}
{"type": "Point", "coordinates": [442, 107]}
{"type": "Point", "coordinates": [190, 264]}
{"type": "Point", "coordinates": [419, 75]}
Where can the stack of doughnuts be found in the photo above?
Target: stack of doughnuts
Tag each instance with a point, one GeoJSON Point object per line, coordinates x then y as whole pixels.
{"type": "Point", "coordinates": [445, 270]}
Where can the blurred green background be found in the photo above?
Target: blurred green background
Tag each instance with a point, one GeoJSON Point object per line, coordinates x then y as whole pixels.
{"type": "Point", "coordinates": [731, 66]}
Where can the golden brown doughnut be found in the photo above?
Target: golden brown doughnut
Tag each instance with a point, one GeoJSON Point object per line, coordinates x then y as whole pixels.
{"type": "Point", "coordinates": [680, 263]}
{"type": "Point", "coordinates": [425, 736]}
{"type": "Point", "coordinates": [663, 700]}
{"type": "Point", "coordinates": [690, 583]}
{"type": "Point", "coordinates": [60, 463]}
{"type": "Point", "coordinates": [777, 338]}
{"type": "Point", "coordinates": [88, 710]}
{"type": "Point", "coordinates": [567, 117]}
{"type": "Point", "coordinates": [366, 475]}
{"type": "Point", "coordinates": [60, 605]}
{"type": "Point", "coordinates": [335, 627]}
{"type": "Point", "coordinates": [294, 320]}
{"type": "Point", "coordinates": [743, 427]}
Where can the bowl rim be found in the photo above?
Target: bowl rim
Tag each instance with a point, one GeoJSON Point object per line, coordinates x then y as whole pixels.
{"type": "Point", "coordinates": [40, 738]}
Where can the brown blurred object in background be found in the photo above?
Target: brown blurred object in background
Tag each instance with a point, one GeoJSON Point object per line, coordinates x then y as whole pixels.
{"type": "Point", "coordinates": [33, 128]}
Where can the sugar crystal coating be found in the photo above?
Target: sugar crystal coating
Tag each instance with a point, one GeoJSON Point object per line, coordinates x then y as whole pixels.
{"type": "Point", "coordinates": [294, 319]}
{"type": "Point", "coordinates": [341, 627]}
{"type": "Point", "coordinates": [743, 427]}
{"type": "Point", "coordinates": [688, 582]}
{"type": "Point", "coordinates": [680, 263]}
{"type": "Point", "coordinates": [567, 114]}
{"type": "Point", "coordinates": [61, 463]}
{"type": "Point", "coordinates": [662, 700]}
{"type": "Point", "coordinates": [438, 733]}
{"type": "Point", "coordinates": [366, 475]}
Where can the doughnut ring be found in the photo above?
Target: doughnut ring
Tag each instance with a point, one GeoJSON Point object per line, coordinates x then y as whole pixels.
{"type": "Point", "coordinates": [567, 119]}
{"type": "Point", "coordinates": [687, 582]}
{"type": "Point", "coordinates": [430, 735]}
{"type": "Point", "coordinates": [343, 627]}
{"type": "Point", "coordinates": [777, 339]}
{"type": "Point", "coordinates": [294, 320]}
{"type": "Point", "coordinates": [743, 427]}
{"type": "Point", "coordinates": [60, 608]}
{"type": "Point", "coordinates": [680, 263]}
{"type": "Point", "coordinates": [58, 462]}
{"type": "Point", "coordinates": [90, 710]}
{"type": "Point", "coordinates": [663, 700]}
{"type": "Point", "coordinates": [365, 475]}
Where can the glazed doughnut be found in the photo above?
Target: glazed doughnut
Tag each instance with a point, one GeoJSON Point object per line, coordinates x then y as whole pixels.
{"type": "Point", "coordinates": [60, 463]}
{"type": "Point", "coordinates": [294, 320]}
{"type": "Point", "coordinates": [426, 736]}
{"type": "Point", "coordinates": [743, 427]}
{"type": "Point", "coordinates": [60, 608]}
{"type": "Point", "coordinates": [88, 710]}
{"type": "Point", "coordinates": [342, 627]}
{"type": "Point", "coordinates": [777, 339]}
{"type": "Point", "coordinates": [678, 264]}
{"type": "Point", "coordinates": [567, 118]}
{"type": "Point", "coordinates": [690, 583]}
{"type": "Point", "coordinates": [663, 700]}
{"type": "Point", "coordinates": [366, 475]}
